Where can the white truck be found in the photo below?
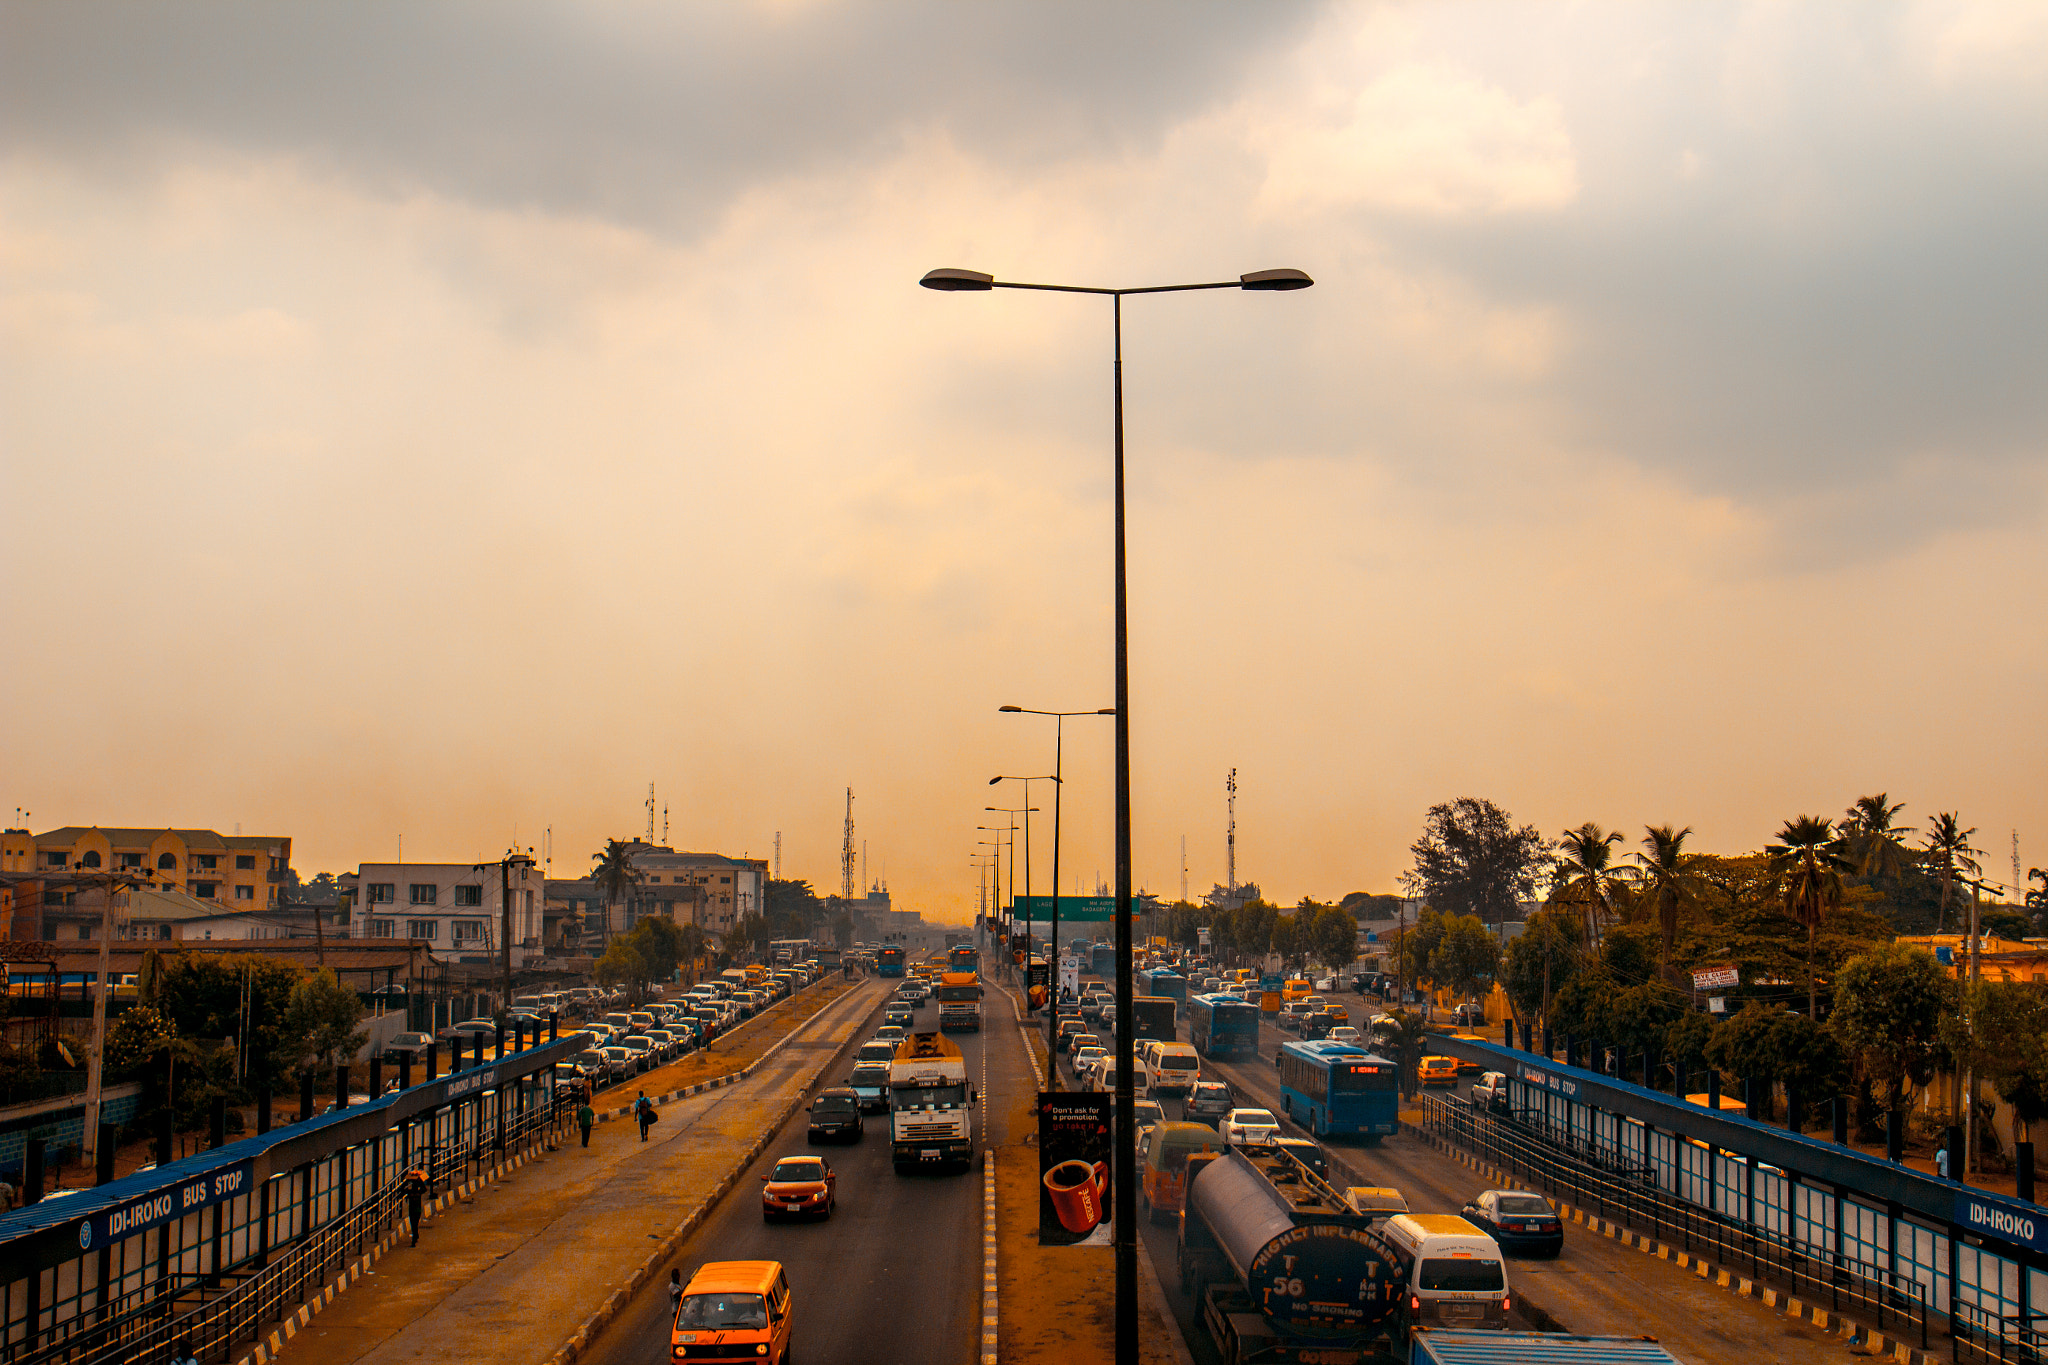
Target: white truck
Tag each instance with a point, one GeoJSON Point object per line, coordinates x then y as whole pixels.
{"type": "Point", "coordinates": [931, 1105]}
{"type": "Point", "coordinates": [959, 1002]}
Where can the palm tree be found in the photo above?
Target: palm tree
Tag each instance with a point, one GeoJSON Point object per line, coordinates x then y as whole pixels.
{"type": "Point", "coordinates": [1403, 1036]}
{"type": "Point", "coordinates": [1948, 847]}
{"type": "Point", "coordinates": [1870, 840]}
{"type": "Point", "coordinates": [1809, 876]}
{"type": "Point", "coordinates": [1670, 877]}
{"type": "Point", "coordinates": [1585, 875]}
{"type": "Point", "coordinates": [615, 877]}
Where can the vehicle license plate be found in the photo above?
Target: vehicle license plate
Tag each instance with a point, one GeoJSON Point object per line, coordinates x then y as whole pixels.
{"type": "Point", "coordinates": [928, 1154]}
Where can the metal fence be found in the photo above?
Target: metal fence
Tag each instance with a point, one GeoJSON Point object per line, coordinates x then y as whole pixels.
{"type": "Point", "coordinates": [211, 1314]}
{"type": "Point", "coordinates": [1561, 1161]}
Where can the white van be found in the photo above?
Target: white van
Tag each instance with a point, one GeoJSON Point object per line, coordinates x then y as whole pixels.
{"type": "Point", "coordinates": [1175, 1067]}
{"type": "Point", "coordinates": [1105, 1077]}
{"type": "Point", "coordinates": [1454, 1273]}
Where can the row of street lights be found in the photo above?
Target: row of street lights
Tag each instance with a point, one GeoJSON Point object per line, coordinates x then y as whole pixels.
{"type": "Point", "coordinates": [1124, 1179]}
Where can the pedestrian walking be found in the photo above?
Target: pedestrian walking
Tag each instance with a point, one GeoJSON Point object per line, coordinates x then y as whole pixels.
{"type": "Point", "coordinates": [1941, 1160]}
{"type": "Point", "coordinates": [585, 1116]}
{"type": "Point", "coordinates": [675, 1291]}
{"type": "Point", "coordinates": [182, 1355]}
{"type": "Point", "coordinates": [415, 1200]}
{"type": "Point", "coordinates": [643, 1109]}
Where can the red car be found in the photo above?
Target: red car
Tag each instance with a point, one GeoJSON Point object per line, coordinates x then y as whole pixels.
{"type": "Point", "coordinates": [799, 1187]}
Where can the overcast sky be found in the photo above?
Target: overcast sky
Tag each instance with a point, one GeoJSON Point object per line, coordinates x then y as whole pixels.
{"type": "Point", "coordinates": [442, 420]}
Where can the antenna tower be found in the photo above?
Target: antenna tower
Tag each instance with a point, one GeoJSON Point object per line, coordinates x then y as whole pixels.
{"type": "Point", "coordinates": [664, 822]}
{"type": "Point", "coordinates": [650, 812]}
{"type": "Point", "coordinates": [778, 855]}
{"type": "Point", "coordinates": [1230, 834]}
{"type": "Point", "coordinates": [1183, 867]}
{"type": "Point", "coordinates": [846, 852]}
{"type": "Point", "coordinates": [2019, 888]}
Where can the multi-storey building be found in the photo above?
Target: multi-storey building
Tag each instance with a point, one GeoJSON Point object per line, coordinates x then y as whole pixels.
{"type": "Point", "coordinates": [235, 871]}
{"type": "Point", "coordinates": [710, 890]}
{"type": "Point", "coordinates": [456, 909]}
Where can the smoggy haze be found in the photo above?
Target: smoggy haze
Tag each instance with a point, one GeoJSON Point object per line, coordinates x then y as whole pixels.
{"type": "Point", "coordinates": [441, 420]}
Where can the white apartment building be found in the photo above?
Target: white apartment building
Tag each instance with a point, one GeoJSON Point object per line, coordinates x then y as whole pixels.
{"type": "Point", "coordinates": [456, 909]}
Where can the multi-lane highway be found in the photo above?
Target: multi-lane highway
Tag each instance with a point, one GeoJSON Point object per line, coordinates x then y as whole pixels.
{"type": "Point", "coordinates": [894, 1274]}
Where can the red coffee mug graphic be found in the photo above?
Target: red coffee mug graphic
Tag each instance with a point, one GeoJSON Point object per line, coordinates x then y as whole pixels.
{"type": "Point", "coordinates": [1077, 1189]}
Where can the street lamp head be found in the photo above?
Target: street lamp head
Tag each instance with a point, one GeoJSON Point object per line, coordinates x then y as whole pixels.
{"type": "Point", "coordinates": [952, 279]}
{"type": "Point", "coordinates": [1107, 711]}
{"type": "Point", "coordinates": [1012, 709]}
{"type": "Point", "coordinates": [1258, 279]}
{"type": "Point", "coordinates": [993, 780]}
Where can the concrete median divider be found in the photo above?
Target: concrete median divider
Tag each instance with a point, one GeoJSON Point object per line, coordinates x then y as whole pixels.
{"type": "Point", "coordinates": [619, 1298]}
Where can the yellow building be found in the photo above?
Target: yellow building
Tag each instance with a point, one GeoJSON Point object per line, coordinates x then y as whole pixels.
{"type": "Point", "coordinates": [240, 872]}
{"type": "Point", "coordinates": [1998, 959]}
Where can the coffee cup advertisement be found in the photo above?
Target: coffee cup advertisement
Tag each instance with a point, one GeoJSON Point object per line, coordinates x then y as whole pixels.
{"type": "Point", "coordinates": [1074, 1155]}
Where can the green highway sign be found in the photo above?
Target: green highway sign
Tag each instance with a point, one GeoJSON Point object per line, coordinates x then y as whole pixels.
{"type": "Point", "coordinates": [1073, 909]}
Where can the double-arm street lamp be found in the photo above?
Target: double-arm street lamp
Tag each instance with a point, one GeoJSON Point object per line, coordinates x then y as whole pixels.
{"type": "Point", "coordinates": [1058, 788]}
{"type": "Point", "coordinates": [1125, 1214]}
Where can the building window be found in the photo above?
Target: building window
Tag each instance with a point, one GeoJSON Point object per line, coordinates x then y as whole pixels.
{"type": "Point", "coordinates": [469, 931]}
{"type": "Point", "coordinates": [167, 862]}
{"type": "Point", "coordinates": [245, 893]}
{"type": "Point", "coordinates": [380, 893]}
{"type": "Point", "coordinates": [245, 862]}
{"type": "Point", "coordinates": [379, 928]}
{"type": "Point", "coordinates": [56, 859]}
{"type": "Point", "coordinates": [205, 862]}
{"type": "Point", "coordinates": [131, 860]}
{"type": "Point", "coordinates": [205, 890]}
{"type": "Point", "coordinates": [428, 929]}
{"type": "Point", "coordinates": [163, 931]}
{"type": "Point", "coordinates": [423, 893]}
{"type": "Point", "coordinates": [469, 895]}
{"type": "Point", "coordinates": [654, 879]}
{"type": "Point", "coordinates": [727, 879]}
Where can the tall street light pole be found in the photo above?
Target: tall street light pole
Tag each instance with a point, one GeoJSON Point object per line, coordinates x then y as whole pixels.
{"type": "Point", "coordinates": [1058, 788]}
{"type": "Point", "coordinates": [996, 887]}
{"type": "Point", "coordinates": [1052, 955]}
{"type": "Point", "coordinates": [1025, 811]}
{"type": "Point", "coordinates": [1125, 1179]}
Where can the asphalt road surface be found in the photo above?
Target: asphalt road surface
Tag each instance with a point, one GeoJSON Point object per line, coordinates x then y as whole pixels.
{"type": "Point", "coordinates": [893, 1276]}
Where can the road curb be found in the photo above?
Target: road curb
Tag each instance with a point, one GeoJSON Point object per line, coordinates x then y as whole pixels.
{"type": "Point", "coordinates": [1853, 1333]}
{"type": "Point", "coordinates": [989, 1295]}
{"type": "Point", "coordinates": [617, 1300]}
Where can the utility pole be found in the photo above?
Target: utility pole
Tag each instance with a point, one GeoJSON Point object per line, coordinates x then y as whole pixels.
{"type": "Point", "coordinates": [94, 1065]}
{"type": "Point", "coordinates": [1230, 836]}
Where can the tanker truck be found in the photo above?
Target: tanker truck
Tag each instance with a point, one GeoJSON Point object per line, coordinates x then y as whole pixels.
{"type": "Point", "coordinates": [931, 1105]}
{"type": "Point", "coordinates": [1279, 1266]}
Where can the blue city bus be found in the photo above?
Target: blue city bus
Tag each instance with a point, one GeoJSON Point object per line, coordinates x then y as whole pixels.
{"type": "Point", "coordinates": [889, 961]}
{"type": "Point", "coordinates": [1223, 1026]}
{"type": "Point", "coordinates": [963, 957]}
{"type": "Point", "coordinates": [1340, 1088]}
{"type": "Point", "coordinates": [1163, 981]}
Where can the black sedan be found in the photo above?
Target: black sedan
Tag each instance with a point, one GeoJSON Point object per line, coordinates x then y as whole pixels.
{"type": "Point", "coordinates": [1518, 1220]}
{"type": "Point", "coordinates": [835, 1114]}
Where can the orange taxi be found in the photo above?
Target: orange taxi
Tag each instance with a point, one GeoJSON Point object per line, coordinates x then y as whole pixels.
{"type": "Point", "coordinates": [799, 1187]}
{"type": "Point", "coordinates": [1439, 1071]}
{"type": "Point", "coordinates": [733, 1309]}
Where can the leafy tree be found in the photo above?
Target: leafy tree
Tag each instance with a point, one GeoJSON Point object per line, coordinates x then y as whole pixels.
{"type": "Point", "coordinates": [1764, 1042]}
{"type": "Point", "coordinates": [1809, 876]}
{"type": "Point", "coordinates": [137, 1037]}
{"type": "Point", "coordinates": [1584, 875]}
{"type": "Point", "coordinates": [658, 942]}
{"type": "Point", "coordinates": [1543, 956]}
{"type": "Point", "coordinates": [1365, 905]}
{"type": "Point", "coordinates": [1889, 1006]}
{"type": "Point", "coordinates": [1286, 938]}
{"type": "Point", "coordinates": [2003, 922]}
{"type": "Point", "coordinates": [322, 1015]}
{"type": "Point", "coordinates": [1947, 846]}
{"type": "Point", "coordinates": [1403, 1037]}
{"type": "Point", "coordinates": [1465, 955]}
{"type": "Point", "coordinates": [692, 945]}
{"type": "Point", "coordinates": [1671, 879]}
{"type": "Point", "coordinates": [793, 908]}
{"type": "Point", "coordinates": [1686, 1038]}
{"type": "Point", "coordinates": [614, 877]}
{"type": "Point", "coordinates": [1333, 936]}
{"type": "Point", "coordinates": [1184, 922]}
{"type": "Point", "coordinates": [1418, 945]}
{"type": "Point", "coordinates": [2037, 901]}
{"type": "Point", "coordinates": [1472, 860]}
{"type": "Point", "coordinates": [201, 995]}
{"type": "Point", "coordinates": [622, 964]}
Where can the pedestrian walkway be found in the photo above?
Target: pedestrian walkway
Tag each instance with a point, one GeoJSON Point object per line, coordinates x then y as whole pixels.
{"type": "Point", "coordinates": [511, 1273]}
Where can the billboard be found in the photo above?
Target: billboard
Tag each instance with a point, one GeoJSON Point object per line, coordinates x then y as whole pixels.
{"type": "Point", "coordinates": [1074, 1147]}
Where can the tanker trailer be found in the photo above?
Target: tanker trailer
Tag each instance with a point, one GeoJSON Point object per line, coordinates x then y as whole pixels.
{"type": "Point", "coordinates": [1279, 1265]}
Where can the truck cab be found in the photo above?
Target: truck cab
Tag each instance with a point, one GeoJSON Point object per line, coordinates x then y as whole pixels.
{"type": "Point", "coordinates": [959, 1002]}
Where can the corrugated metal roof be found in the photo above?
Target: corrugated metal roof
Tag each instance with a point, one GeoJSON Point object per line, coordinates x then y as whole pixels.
{"type": "Point", "coordinates": [1539, 1348]}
